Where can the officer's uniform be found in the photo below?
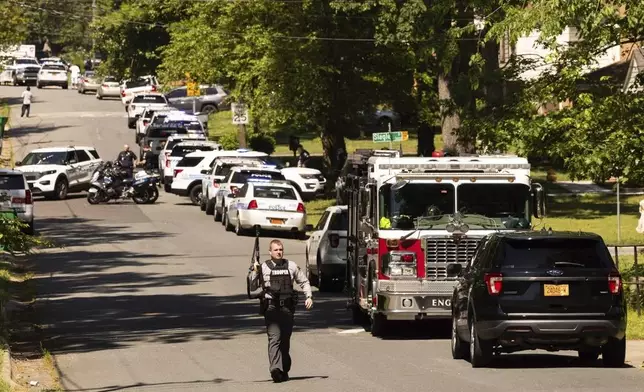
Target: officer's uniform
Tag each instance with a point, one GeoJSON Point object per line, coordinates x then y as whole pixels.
{"type": "Point", "coordinates": [278, 307]}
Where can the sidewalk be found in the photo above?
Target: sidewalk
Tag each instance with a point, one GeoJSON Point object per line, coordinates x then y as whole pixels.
{"type": "Point", "coordinates": [635, 353]}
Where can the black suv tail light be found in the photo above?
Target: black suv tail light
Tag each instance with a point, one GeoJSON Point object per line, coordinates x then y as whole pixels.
{"type": "Point", "coordinates": [494, 283]}
{"type": "Point", "coordinates": [615, 283]}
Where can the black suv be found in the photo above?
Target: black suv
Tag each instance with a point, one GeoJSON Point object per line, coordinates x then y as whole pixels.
{"type": "Point", "coordinates": [539, 290]}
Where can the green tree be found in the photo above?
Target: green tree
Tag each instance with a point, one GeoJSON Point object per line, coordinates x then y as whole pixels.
{"type": "Point", "coordinates": [12, 31]}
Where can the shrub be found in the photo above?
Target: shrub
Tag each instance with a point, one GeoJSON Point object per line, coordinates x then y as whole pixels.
{"type": "Point", "coordinates": [262, 142]}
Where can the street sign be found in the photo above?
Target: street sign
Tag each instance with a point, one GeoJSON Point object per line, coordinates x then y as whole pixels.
{"type": "Point", "coordinates": [240, 113]}
{"type": "Point", "coordinates": [386, 137]}
{"type": "Point", "coordinates": [192, 89]}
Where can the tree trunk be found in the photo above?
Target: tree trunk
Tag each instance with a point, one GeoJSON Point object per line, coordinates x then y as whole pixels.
{"type": "Point", "coordinates": [450, 120]}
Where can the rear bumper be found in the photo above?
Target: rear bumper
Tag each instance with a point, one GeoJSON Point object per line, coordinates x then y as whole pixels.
{"type": "Point", "coordinates": [292, 221]}
{"type": "Point", "coordinates": [551, 332]}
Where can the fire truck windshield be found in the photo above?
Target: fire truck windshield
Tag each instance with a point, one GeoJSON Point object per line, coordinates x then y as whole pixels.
{"type": "Point", "coordinates": [418, 205]}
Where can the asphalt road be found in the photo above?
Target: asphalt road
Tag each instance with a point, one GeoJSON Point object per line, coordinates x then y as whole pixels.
{"type": "Point", "coordinates": [152, 297]}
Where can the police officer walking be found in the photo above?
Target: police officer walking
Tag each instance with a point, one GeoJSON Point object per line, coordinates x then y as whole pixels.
{"type": "Point", "coordinates": [275, 277]}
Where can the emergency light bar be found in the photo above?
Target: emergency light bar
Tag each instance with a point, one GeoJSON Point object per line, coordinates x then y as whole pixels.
{"type": "Point", "coordinates": [456, 176]}
{"type": "Point", "coordinates": [454, 166]}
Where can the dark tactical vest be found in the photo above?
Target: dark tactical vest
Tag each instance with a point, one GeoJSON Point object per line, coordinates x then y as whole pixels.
{"type": "Point", "coordinates": [280, 282]}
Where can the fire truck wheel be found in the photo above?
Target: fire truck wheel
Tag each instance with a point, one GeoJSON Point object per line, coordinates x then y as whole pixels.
{"type": "Point", "coordinates": [378, 324]}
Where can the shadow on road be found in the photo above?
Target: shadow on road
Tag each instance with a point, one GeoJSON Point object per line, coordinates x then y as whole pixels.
{"type": "Point", "coordinates": [75, 231]}
{"type": "Point", "coordinates": [541, 361]}
{"type": "Point", "coordinates": [19, 130]}
{"type": "Point", "coordinates": [93, 300]}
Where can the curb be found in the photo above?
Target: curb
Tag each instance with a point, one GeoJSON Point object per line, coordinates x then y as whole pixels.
{"type": "Point", "coordinates": [6, 372]}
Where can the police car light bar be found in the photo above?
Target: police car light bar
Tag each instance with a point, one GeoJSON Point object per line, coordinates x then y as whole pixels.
{"type": "Point", "coordinates": [453, 166]}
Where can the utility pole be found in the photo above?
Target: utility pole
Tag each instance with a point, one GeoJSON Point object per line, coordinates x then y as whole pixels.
{"type": "Point", "coordinates": [93, 38]}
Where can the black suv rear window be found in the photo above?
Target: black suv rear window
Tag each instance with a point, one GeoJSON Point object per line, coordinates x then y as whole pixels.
{"type": "Point", "coordinates": [12, 181]}
{"type": "Point", "coordinates": [189, 161]}
{"type": "Point", "coordinates": [553, 252]}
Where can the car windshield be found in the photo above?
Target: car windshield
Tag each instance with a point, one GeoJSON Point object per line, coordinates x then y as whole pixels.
{"type": "Point", "coordinates": [507, 205]}
{"type": "Point", "coordinates": [179, 151]}
{"type": "Point", "coordinates": [27, 61]}
{"type": "Point", "coordinates": [137, 83]}
{"type": "Point", "coordinates": [110, 79]}
{"type": "Point", "coordinates": [432, 206]}
{"type": "Point", "coordinates": [149, 99]}
{"type": "Point", "coordinates": [53, 67]}
{"type": "Point", "coordinates": [553, 253]}
{"type": "Point", "coordinates": [415, 205]}
{"type": "Point", "coordinates": [164, 132]}
{"type": "Point", "coordinates": [45, 158]}
{"type": "Point", "coordinates": [274, 192]}
{"type": "Point", "coordinates": [241, 177]}
{"type": "Point", "coordinates": [12, 181]}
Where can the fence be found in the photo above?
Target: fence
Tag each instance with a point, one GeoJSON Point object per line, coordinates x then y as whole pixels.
{"type": "Point", "coordinates": [632, 275]}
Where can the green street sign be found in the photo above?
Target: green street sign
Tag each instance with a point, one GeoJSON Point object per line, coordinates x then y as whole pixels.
{"type": "Point", "coordinates": [386, 137]}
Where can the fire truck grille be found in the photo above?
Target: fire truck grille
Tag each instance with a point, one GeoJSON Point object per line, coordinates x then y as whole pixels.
{"type": "Point", "coordinates": [443, 251]}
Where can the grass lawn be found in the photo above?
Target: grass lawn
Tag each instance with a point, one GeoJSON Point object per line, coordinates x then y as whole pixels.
{"type": "Point", "coordinates": [635, 327]}
{"type": "Point", "coordinates": [221, 123]}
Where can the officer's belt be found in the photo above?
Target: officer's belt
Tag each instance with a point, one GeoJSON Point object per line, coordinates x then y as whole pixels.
{"type": "Point", "coordinates": [280, 302]}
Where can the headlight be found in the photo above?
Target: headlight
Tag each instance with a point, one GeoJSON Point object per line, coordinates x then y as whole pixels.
{"type": "Point", "coordinates": [48, 172]}
{"type": "Point", "coordinates": [400, 264]}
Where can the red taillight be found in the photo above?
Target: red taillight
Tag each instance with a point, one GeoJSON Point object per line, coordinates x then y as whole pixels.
{"type": "Point", "coordinates": [300, 208]}
{"type": "Point", "coordinates": [145, 122]}
{"type": "Point", "coordinates": [494, 283]}
{"type": "Point", "coordinates": [154, 88]}
{"type": "Point", "coordinates": [177, 171]}
{"type": "Point", "coordinates": [334, 240]}
{"type": "Point", "coordinates": [215, 183]}
{"type": "Point", "coordinates": [104, 85]}
{"type": "Point", "coordinates": [615, 283]}
{"type": "Point", "coordinates": [167, 162]}
{"type": "Point", "coordinates": [28, 197]}
{"type": "Point", "coordinates": [252, 205]}
{"type": "Point", "coordinates": [122, 93]}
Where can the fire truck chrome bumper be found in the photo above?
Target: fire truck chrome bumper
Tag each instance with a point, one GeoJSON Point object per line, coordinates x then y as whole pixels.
{"type": "Point", "coordinates": [414, 306]}
{"type": "Point", "coordinates": [426, 287]}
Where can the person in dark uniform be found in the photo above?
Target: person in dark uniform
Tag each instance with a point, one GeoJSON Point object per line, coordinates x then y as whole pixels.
{"type": "Point", "coordinates": [149, 162]}
{"type": "Point", "coordinates": [127, 160]}
{"type": "Point", "coordinates": [275, 277]}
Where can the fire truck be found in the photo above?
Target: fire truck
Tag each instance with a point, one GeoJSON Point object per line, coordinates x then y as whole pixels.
{"type": "Point", "coordinates": [411, 219]}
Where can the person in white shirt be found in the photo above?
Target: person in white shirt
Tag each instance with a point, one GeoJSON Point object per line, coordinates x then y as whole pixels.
{"type": "Point", "coordinates": [26, 101]}
{"type": "Point", "coordinates": [75, 70]}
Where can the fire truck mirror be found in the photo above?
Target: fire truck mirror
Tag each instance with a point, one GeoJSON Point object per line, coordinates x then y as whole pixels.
{"type": "Point", "coordinates": [399, 185]}
{"type": "Point", "coordinates": [538, 201]}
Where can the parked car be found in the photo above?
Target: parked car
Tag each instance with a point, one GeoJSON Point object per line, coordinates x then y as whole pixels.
{"type": "Point", "coordinates": [211, 98]}
{"type": "Point", "coordinates": [16, 197]}
{"type": "Point", "coordinates": [52, 74]}
{"type": "Point", "coordinates": [326, 249]}
{"type": "Point", "coordinates": [109, 87]}
{"type": "Point", "coordinates": [539, 290]}
{"type": "Point", "coordinates": [88, 82]}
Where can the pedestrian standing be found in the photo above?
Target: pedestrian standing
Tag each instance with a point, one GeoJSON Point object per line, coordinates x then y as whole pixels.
{"type": "Point", "coordinates": [278, 299]}
{"type": "Point", "coordinates": [26, 102]}
{"type": "Point", "coordinates": [127, 159]}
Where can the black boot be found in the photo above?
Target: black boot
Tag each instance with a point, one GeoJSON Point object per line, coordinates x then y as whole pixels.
{"type": "Point", "coordinates": [277, 375]}
{"type": "Point", "coordinates": [285, 376]}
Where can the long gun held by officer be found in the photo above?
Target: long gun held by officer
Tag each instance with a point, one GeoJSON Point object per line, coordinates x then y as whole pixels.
{"type": "Point", "coordinates": [255, 258]}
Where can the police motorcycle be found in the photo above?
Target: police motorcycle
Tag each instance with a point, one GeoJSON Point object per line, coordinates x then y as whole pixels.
{"type": "Point", "coordinates": [109, 182]}
{"type": "Point", "coordinates": [153, 179]}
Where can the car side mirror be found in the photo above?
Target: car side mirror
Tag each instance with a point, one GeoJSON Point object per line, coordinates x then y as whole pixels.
{"type": "Point", "coordinates": [308, 228]}
{"type": "Point", "coordinates": [205, 171]}
{"type": "Point", "coordinates": [538, 201]}
{"type": "Point", "coordinates": [18, 163]}
{"type": "Point", "coordinates": [454, 269]}
{"type": "Point", "coordinates": [231, 195]}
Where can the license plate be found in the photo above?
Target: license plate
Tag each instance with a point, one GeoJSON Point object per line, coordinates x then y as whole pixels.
{"type": "Point", "coordinates": [556, 290]}
{"type": "Point", "coordinates": [277, 221]}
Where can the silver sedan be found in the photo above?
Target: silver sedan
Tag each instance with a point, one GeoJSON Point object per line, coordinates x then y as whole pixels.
{"type": "Point", "coordinates": [109, 87]}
